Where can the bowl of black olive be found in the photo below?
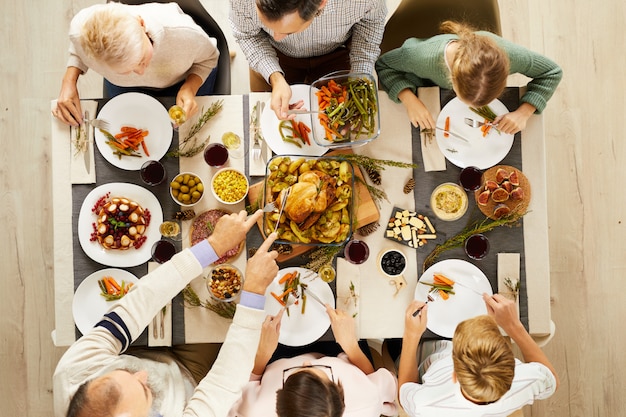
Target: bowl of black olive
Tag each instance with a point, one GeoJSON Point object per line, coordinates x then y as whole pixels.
{"type": "Point", "coordinates": [392, 262]}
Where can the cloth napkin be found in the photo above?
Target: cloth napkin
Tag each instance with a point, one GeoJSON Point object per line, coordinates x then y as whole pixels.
{"type": "Point", "coordinates": [508, 267]}
{"type": "Point", "coordinates": [348, 285]}
{"type": "Point", "coordinates": [257, 166]}
{"type": "Point", "coordinates": [434, 160]}
{"type": "Point", "coordinates": [155, 337]}
{"type": "Point", "coordinates": [60, 131]}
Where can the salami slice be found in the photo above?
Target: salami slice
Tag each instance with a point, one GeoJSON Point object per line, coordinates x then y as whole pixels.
{"type": "Point", "coordinates": [203, 226]}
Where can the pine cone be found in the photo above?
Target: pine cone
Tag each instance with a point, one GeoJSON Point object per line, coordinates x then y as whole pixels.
{"type": "Point", "coordinates": [368, 229]}
{"type": "Point", "coordinates": [374, 175]}
{"type": "Point", "coordinates": [409, 186]}
{"type": "Point", "coordinates": [185, 215]}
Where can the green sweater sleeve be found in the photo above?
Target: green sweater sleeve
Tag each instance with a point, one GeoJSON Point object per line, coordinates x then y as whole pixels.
{"type": "Point", "coordinates": [417, 63]}
{"type": "Point", "coordinates": [545, 74]}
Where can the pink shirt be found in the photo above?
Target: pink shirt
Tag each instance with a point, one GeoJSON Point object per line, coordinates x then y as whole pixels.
{"type": "Point", "coordinates": [365, 395]}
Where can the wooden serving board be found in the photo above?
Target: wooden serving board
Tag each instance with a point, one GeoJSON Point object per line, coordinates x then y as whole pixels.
{"type": "Point", "coordinates": [519, 205]}
{"type": "Point", "coordinates": [366, 208]}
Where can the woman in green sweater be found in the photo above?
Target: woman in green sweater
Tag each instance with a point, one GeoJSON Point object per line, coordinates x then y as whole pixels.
{"type": "Point", "coordinates": [475, 65]}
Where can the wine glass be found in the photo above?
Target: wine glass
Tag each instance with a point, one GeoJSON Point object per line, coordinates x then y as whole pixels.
{"type": "Point", "coordinates": [178, 115]}
{"type": "Point", "coordinates": [232, 141]}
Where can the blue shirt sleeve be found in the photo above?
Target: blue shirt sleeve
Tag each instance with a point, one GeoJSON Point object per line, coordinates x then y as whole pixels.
{"type": "Point", "coordinates": [204, 253]}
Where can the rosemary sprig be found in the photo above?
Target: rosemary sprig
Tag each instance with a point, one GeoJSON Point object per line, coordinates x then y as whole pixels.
{"type": "Point", "coordinates": [191, 299]}
{"type": "Point", "coordinates": [373, 163]}
{"type": "Point", "coordinates": [428, 135]}
{"type": "Point", "coordinates": [378, 194]}
{"type": "Point", "coordinates": [458, 240]}
{"type": "Point", "coordinates": [513, 288]}
{"type": "Point", "coordinates": [189, 146]}
{"type": "Point", "coordinates": [321, 256]}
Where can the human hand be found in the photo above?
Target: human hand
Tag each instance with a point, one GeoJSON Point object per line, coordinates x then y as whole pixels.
{"type": "Point", "coordinates": [186, 98]}
{"type": "Point", "coordinates": [231, 229]}
{"type": "Point", "coordinates": [281, 95]}
{"type": "Point", "coordinates": [419, 116]}
{"type": "Point", "coordinates": [513, 122]}
{"type": "Point", "coordinates": [415, 326]}
{"type": "Point", "coordinates": [261, 269]}
{"type": "Point", "coordinates": [504, 311]}
{"type": "Point", "coordinates": [68, 108]}
{"type": "Point", "coordinates": [270, 331]}
{"type": "Point", "coordinates": [344, 328]}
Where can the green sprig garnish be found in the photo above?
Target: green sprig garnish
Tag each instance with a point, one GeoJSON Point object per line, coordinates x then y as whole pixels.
{"type": "Point", "coordinates": [189, 146]}
{"type": "Point", "coordinates": [459, 239]}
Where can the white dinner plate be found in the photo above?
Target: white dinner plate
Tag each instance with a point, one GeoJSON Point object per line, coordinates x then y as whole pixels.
{"type": "Point", "coordinates": [299, 329]}
{"type": "Point", "coordinates": [88, 306]}
{"type": "Point", "coordinates": [120, 258]}
{"type": "Point", "coordinates": [140, 111]}
{"type": "Point", "coordinates": [271, 134]}
{"type": "Point", "coordinates": [481, 152]}
{"type": "Point", "coordinates": [444, 315]}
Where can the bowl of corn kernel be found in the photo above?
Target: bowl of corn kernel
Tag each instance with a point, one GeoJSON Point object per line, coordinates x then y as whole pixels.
{"type": "Point", "coordinates": [229, 186]}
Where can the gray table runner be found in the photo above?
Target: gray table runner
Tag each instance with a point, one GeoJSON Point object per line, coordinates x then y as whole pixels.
{"type": "Point", "coordinates": [107, 173]}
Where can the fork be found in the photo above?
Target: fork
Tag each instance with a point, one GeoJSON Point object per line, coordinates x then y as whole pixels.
{"type": "Point", "coordinates": [99, 124]}
{"type": "Point", "coordinates": [473, 123]}
{"type": "Point", "coordinates": [282, 207]}
{"type": "Point", "coordinates": [432, 296]}
{"type": "Point", "coordinates": [269, 207]}
{"type": "Point", "coordinates": [256, 146]}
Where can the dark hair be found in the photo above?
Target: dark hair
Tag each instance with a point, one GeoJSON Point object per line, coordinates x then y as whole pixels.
{"type": "Point", "coordinates": [305, 394]}
{"type": "Point", "coordinates": [105, 395]}
{"type": "Point", "coordinates": [274, 10]}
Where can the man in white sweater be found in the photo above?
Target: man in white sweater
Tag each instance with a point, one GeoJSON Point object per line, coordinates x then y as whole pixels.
{"type": "Point", "coordinates": [95, 377]}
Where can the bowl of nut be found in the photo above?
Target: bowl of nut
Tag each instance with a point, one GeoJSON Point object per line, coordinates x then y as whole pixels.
{"type": "Point", "coordinates": [224, 282]}
{"type": "Point", "coordinates": [229, 186]}
{"type": "Point", "coordinates": [187, 189]}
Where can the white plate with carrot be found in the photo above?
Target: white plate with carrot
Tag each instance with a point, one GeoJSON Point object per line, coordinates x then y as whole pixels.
{"type": "Point", "coordinates": [461, 301]}
{"type": "Point", "coordinates": [301, 326]}
{"type": "Point", "coordinates": [271, 131]}
{"type": "Point", "coordinates": [482, 150]}
{"type": "Point", "coordinates": [140, 130]}
{"type": "Point", "coordinates": [91, 302]}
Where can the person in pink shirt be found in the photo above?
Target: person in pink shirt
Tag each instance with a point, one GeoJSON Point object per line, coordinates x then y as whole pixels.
{"type": "Point", "coordinates": [315, 384]}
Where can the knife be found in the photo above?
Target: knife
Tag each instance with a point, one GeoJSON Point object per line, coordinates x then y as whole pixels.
{"type": "Point", "coordinates": [315, 297]}
{"type": "Point", "coordinates": [469, 288]}
{"type": "Point", "coordinates": [456, 135]}
{"type": "Point", "coordinates": [89, 134]}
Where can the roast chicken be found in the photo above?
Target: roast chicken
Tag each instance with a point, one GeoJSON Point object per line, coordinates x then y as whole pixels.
{"type": "Point", "coordinates": [308, 198]}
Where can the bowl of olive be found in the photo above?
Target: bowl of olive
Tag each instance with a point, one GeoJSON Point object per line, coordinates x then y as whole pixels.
{"type": "Point", "coordinates": [187, 189]}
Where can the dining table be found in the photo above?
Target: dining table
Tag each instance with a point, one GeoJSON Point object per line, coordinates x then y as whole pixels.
{"type": "Point", "coordinates": [376, 302]}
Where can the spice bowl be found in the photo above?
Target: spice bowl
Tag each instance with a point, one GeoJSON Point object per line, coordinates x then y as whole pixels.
{"type": "Point", "coordinates": [344, 109]}
{"type": "Point", "coordinates": [229, 186]}
{"type": "Point", "coordinates": [224, 283]}
{"type": "Point", "coordinates": [392, 263]}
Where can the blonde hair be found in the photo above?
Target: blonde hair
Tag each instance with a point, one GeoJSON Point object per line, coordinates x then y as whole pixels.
{"type": "Point", "coordinates": [483, 359]}
{"type": "Point", "coordinates": [113, 36]}
{"type": "Point", "coordinates": [480, 67]}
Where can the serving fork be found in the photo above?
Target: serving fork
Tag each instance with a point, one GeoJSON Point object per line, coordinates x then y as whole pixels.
{"type": "Point", "coordinates": [282, 207]}
{"type": "Point", "coordinates": [432, 296]}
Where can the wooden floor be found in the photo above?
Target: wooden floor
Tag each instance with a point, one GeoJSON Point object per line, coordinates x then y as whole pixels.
{"type": "Point", "coordinates": [586, 151]}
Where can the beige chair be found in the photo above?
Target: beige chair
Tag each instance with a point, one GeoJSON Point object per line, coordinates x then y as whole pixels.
{"type": "Point", "coordinates": [421, 19]}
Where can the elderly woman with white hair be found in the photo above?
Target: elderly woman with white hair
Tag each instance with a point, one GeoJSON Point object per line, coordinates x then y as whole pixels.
{"type": "Point", "coordinates": [152, 48]}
